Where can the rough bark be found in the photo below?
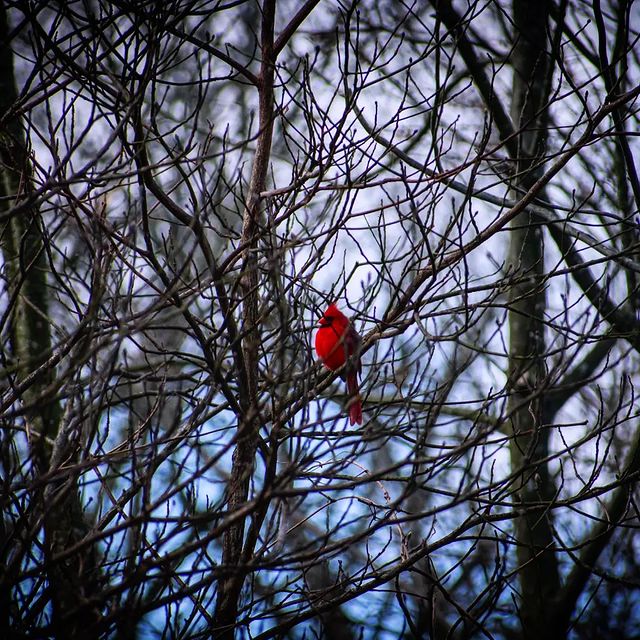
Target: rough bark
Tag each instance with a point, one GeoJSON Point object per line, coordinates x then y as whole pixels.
{"type": "Point", "coordinates": [234, 553]}
{"type": "Point", "coordinates": [71, 582]}
{"type": "Point", "coordinates": [539, 578]}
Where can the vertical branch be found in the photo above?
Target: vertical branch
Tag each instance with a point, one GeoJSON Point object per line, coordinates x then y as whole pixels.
{"type": "Point", "coordinates": [24, 257]}
{"type": "Point", "coordinates": [615, 76]}
{"type": "Point", "coordinates": [538, 569]}
{"type": "Point", "coordinates": [248, 425]}
{"type": "Point", "coordinates": [22, 242]}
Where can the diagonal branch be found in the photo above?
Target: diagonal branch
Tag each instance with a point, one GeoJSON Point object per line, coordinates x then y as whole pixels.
{"type": "Point", "coordinates": [525, 201]}
{"type": "Point", "coordinates": [565, 603]}
{"type": "Point", "coordinates": [455, 24]}
{"type": "Point", "coordinates": [294, 23]}
{"type": "Point", "coordinates": [576, 379]}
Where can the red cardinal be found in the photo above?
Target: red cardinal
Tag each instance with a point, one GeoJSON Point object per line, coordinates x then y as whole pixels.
{"type": "Point", "coordinates": [337, 343]}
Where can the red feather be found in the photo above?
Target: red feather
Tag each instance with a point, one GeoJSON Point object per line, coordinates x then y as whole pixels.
{"type": "Point", "coordinates": [337, 345]}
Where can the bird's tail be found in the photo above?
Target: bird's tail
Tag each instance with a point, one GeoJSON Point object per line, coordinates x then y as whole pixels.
{"type": "Point", "coordinates": [355, 404]}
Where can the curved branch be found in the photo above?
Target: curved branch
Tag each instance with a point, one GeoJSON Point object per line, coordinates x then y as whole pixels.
{"type": "Point", "coordinates": [564, 605]}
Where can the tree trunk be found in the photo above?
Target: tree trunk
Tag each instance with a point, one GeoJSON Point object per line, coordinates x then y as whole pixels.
{"type": "Point", "coordinates": [235, 553]}
{"type": "Point", "coordinates": [539, 579]}
{"type": "Point", "coordinates": [72, 580]}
